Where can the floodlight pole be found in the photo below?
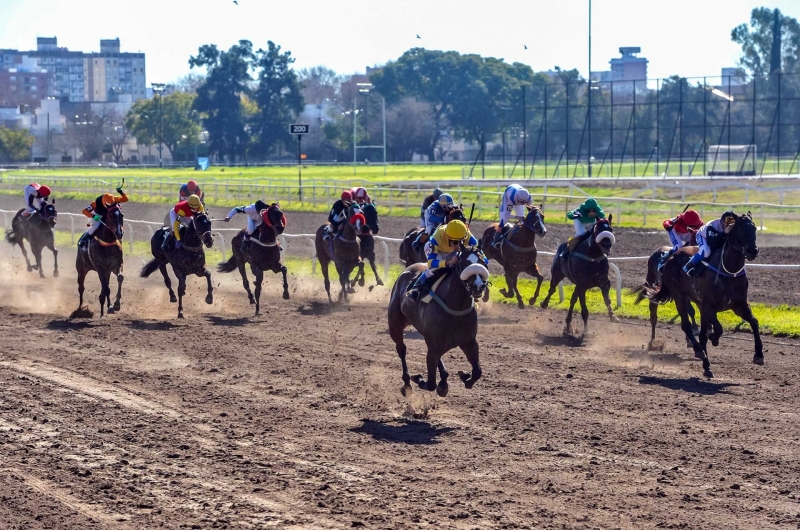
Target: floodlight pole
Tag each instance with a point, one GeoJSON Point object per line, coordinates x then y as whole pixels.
{"type": "Point", "coordinates": [383, 103]}
{"type": "Point", "coordinates": [589, 97]}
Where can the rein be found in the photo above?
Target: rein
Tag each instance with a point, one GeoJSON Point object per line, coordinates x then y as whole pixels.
{"type": "Point", "coordinates": [725, 272]}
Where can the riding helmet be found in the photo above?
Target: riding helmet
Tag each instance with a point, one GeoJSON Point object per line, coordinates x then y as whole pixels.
{"type": "Point", "coordinates": [191, 186]}
{"type": "Point", "coordinates": [692, 219]}
{"type": "Point", "coordinates": [437, 193]}
{"type": "Point", "coordinates": [194, 202]}
{"type": "Point", "coordinates": [456, 230]}
{"type": "Point", "coordinates": [108, 200]}
{"type": "Point", "coordinates": [445, 200]}
{"type": "Point", "coordinates": [524, 195]}
{"type": "Point", "coordinates": [728, 217]}
{"type": "Point", "coordinates": [260, 205]}
{"type": "Point", "coordinates": [44, 191]}
{"type": "Point", "coordinates": [347, 197]}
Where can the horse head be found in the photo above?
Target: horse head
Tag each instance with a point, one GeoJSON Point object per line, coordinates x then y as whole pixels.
{"type": "Point", "coordinates": [743, 236]}
{"type": "Point", "coordinates": [202, 226]}
{"type": "Point", "coordinates": [276, 218]}
{"type": "Point", "coordinates": [534, 221]}
{"type": "Point", "coordinates": [50, 214]}
{"type": "Point", "coordinates": [471, 270]}
{"type": "Point", "coordinates": [456, 213]}
{"type": "Point", "coordinates": [603, 235]}
{"type": "Point", "coordinates": [371, 214]}
{"type": "Point", "coordinates": [355, 218]}
{"type": "Point", "coordinates": [115, 221]}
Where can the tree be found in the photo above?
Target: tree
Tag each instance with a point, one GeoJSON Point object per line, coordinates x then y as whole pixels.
{"type": "Point", "coordinates": [89, 128]}
{"type": "Point", "coordinates": [320, 83]}
{"type": "Point", "coordinates": [15, 145]}
{"type": "Point", "coordinates": [219, 97]}
{"type": "Point", "coordinates": [770, 44]}
{"type": "Point", "coordinates": [189, 83]}
{"type": "Point", "coordinates": [278, 97]}
{"type": "Point", "coordinates": [409, 126]}
{"type": "Point", "coordinates": [180, 123]}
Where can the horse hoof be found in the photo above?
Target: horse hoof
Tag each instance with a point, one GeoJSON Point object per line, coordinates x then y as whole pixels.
{"type": "Point", "coordinates": [110, 310]}
{"type": "Point", "coordinates": [30, 269]}
{"type": "Point", "coordinates": [532, 301]}
{"type": "Point", "coordinates": [361, 282]}
{"type": "Point", "coordinates": [252, 301]}
{"type": "Point", "coordinates": [286, 295]}
{"type": "Point", "coordinates": [117, 306]}
{"type": "Point", "coordinates": [486, 295]}
{"type": "Point", "coordinates": [180, 315]}
{"type": "Point", "coordinates": [209, 299]}
{"type": "Point", "coordinates": [699, 355]}
{"type": "Point", "coordinates": [464, 376]}
{"type": "Point", "coordinates": [405, 390]}
{"type": "Point", "coordinates": [758, 359]}
{"type": "Point", "coordinates": [615, 319]}
{"type": "Point", "coordinates": [55, 273]}
{"type": "Point", "coordinates": [544, 304]}
{"type": "Point", "coordinates": [173, 299]}
{"type": "Point", "coordinates": [350, 290]}
{"type": "Point", "coordinates": [715, 342]}
{"type": "Point", "coordinates": [708, 374]}
{"type": "Point", "coordinates": [417, 378]}
{"type": "Point", "coordinates": [379, 282]}
{"type": "Point", "coordinates": [442, 390]}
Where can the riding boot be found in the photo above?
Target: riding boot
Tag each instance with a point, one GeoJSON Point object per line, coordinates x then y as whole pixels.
{"type": "Point", "coordinates": [165, 244]}
{"type": "Point", "coordinates": [84, 240]}
{"type": "Point", "coordinates": [245, 242]}
{"type": "Point", "coordinates": [498, 237]}
{"type": "Point", "coordinates": [416, 244]}
{"type": "Point", "coordinates": [423, 283]}
{"type": "Point", "coordinates": [664, 258]}
{"type": "Point", "coordinates": [694, 267]}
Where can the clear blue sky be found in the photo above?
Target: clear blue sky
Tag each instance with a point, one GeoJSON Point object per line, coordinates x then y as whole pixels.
{"type": "Point", "coordinates": [683, 37]}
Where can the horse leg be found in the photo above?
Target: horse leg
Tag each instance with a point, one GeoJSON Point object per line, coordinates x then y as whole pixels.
{"type": "Point", "coordinates": [118, 301]}
{"type": "Point", "coordinates": [653, 322]}
{"type": "Point", "coordinates": [397, 323]}
{"type": "Point", "coordinates": [81, 287]}
{"type": "Point", "coordinates": [705, 320]}
{"type": "Point", "coordinates": [343, 281]}
{"type": "Point", "coordinates": [323, 265]}
{"type": "Point", "coordinates": [717, 331]}
{"type": "Point", "coordinates": [605, 287]}
{"type": "Point", "coordinates": [181, 291]}
{"type": "Point", "coordinates": [375, 269]}
{"type": "Point", "coordinates": [52, 248]}
{"type": "Point", "coordinates": [686, 327]}
{"type": "Point", "coordinates": [163, 268]}
{"type": "Point", "coordinates": [25, 253]}
{"type": "Point", "coordinates": [432, 360]}
{"type": "Point", "coordinates": [442, 388]}
{"type": "Point", "coordinates": [690, 311]}
{"type": "Point", "coordinates": [285, 283]}
{"type": "Point", "coordinates": [472, 352]}
{"type": "Point", "coordinates": [533, 271]}
{"type": "Point", "coordinates": [210, 295]}
{"type": "Point", "coordinates": [243, 273]}
{"type": "Point", "coordinates": [568, 324]}
{"type": "Point", "coordinates": [511, 282]}
{"type": "Point", "coordinates": [584, 311]}
{"type": "Point", "coordinates": [105, 291]}
{"type": "Point", "coordinates": [745, 313]}
{"type": "Point", "coordinates": [37, 255]}
{"type": "Point", "coordinates": [556, 275]}
{"type": "Point", "coordinates": [259, 279]}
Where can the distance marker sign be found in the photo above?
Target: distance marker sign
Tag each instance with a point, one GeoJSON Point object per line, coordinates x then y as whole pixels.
{"type": "Point", "coordinates": [298, 129]}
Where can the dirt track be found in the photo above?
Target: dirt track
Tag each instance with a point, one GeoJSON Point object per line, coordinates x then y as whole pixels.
{"type": "Point", "coordinates": [295, 419]}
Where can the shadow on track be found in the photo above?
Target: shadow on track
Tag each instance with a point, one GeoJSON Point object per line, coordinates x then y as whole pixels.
{"type": "Point", "coordinates": [411, 432]}
{"type": "Point", "coordinates": [61, 324]}
{"type": "Point", "coordinates": [693, 385]}
{"type": "Point", "coordinates": [229, 322]}
{"type": "Point", "coordinates": [152, 326]}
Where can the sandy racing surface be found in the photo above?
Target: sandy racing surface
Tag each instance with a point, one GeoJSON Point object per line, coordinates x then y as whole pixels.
{"type": "Point", "coordinates": [295, 419]}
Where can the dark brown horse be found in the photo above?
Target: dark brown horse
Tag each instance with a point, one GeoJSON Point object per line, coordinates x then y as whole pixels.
{"type": "Point", "coordinates": [517, 253]}
{"type": "Point", "coordinates": [367, 240]}
{"type": "Point", "coordinates": [343, 249]}
{"type": "Point", "coordinates": [448, 321]}
{"type": "Point", "coordinates": [188, 260]}
{"type": "Point", "coordinates": [409, 254]}
{"type": "Point", "coordinates": [38, 230]}
{"type": "Point", "coordinates": [586, 267]}
{"type": "Point", "coordinates": [722, 287]}
{"type": "Point", "coordinates": [263, 254]}
{"type": "Point", "coordinates": [103, 253]}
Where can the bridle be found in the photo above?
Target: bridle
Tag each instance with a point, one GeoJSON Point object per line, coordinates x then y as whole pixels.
{"type": "Point", "coordinates": [199, 235]}
{"type": "Point", "coordinates": [459, 269]}
{"type": "Point", "coordinates": [539, 220]}
{"type": "Point", "coordinates": [734, 244]}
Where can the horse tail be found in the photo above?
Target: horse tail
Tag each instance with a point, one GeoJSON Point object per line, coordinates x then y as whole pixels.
{"type": "Point", "coordinates": [12, 237]}
{"type": "Point", "coordinates": [640, 292]}
{"type": "Point", "coordinates": [661, 295]}
{"type": "Point", "coordinates": [228, 266]}
{"type": "Point", "coordinates": [149, 268]}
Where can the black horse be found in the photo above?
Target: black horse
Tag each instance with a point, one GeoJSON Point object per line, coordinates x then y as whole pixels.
{"type": "Point", "coordinates": [720, 288]}
{"type": "Point", "coordinates": [263, 254]}
{"type": "Point", "coordinates": [188, 260]}
{"type": "Point", "coordinates": [368, 242]}
{"type": "Point", "coordinates": [103, 253]}
{"type": "Point", "coordinates": [586, 267]}
{"type": "Point", "coordinates": [38, 230]}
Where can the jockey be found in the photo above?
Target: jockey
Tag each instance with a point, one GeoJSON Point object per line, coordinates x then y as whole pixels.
{"type": "Point", "coordinates": [435, 215]}
{"type": "Point", "coordinates": [441, 252]}
{"type": "Point", "coordinates": [338, 214]}
{"type": "Point", "coordinates": [515, 199]}
{"type": "Point", "coordinates": [255, 216]}
{"type": "Point", "coordinates": [708, 236]}
{"type": "Point", "coordinates": [35, 192]}
{"type": "Point", "coordinates": [360, 196]}
{"type": "Point", "coordinates": [97, 210]}
{"type": "Point", "coordinates": [583, 218]}
{"type": "Point", "coordinates": [188, 208]}
{"type": "Point", "coordinates": [191, 188]}
{"type": "Point", "coordinates": [680, 230]}
{"type": "Point", "coordinates": [426, 203]}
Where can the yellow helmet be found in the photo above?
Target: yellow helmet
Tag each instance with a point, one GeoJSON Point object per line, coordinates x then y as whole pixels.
{"type": "Point", "coordinates": [194, 202]}
{"type": "Point", "coordinates": [108, 200]}
{"type": "Point", "coordinates": [456, 230]}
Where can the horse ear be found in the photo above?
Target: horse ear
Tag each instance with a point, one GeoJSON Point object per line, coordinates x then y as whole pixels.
{"type": "Point", "coordinates": [541, 206]}
{"type": "Point", "coordinates": [748, 214]}
{"type": "Point", "coordinates": [610, 216]}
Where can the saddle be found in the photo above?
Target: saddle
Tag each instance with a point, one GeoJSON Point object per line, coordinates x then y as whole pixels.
{"type": "Point", "coordinates": [439, 277]}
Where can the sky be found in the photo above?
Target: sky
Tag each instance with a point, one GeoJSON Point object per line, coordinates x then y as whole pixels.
{"type": "Point", "coordinates": [678, 37]}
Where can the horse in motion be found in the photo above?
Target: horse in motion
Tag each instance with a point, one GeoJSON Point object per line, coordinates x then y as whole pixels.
{"type": "Point", "coordinates": [448, 321]}
{"type": "Point", "coordinates": [517, 253]}
{"type": "Point", "coordinates": [38, 230]}
{"type": "Point", "coordinates": [407, 252]}
{"type": "Point", "coordinates": [343, 249]}
{"type": "Point", "coordinates": [586, 267]}
{"type": "Point", "coordinates": [722, 287]}
{"type": "Point", "coordinates": [263, 254]}
{"type": "Point", "coordinates": [188, 260]}
{"type": "Point", "coordinates": [367, 241]}
{"type": "Point", "coordinates": [103, 254]}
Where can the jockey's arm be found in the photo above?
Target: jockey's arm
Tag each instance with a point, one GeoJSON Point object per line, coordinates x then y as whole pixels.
{"type": "Point", "coordinates": [232, 213]}
{"type": "Point", "coordinates": [121, 198]}
{"type": "Point", "coordinates": [179, 215]}
{"type": "Point", "coordinates": [89, 210]}
{"type": "Point", "coordinates": [677, 244]}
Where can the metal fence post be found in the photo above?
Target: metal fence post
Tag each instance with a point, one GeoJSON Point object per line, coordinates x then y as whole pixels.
{"type": "Point", "coordinates": [619, 283]}
{"type": "Point", "coordinates": [71, 228]}
{"type": "Point", "coordinates": [385, 260]}
{"type": "Point", "coordinates": [130, 241]}
{"type": "Point", "coordinates": [222, 244]}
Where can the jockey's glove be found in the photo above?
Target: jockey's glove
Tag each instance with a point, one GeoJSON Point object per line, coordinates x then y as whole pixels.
{"type": "Point", "coordinates": [119, 190]}
{"type": "Point", "coordinates": [96, 217]}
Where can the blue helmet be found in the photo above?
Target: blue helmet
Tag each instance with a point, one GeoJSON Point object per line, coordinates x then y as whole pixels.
{"type": "Point", "coordinates": [445, 199]}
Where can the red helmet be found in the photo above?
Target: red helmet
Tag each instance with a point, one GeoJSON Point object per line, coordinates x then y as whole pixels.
{"type": "Point", "coordinates": [692, 219]}
{"type": "Point", "coordinates": [44, 191]}
{"type": "Point", "coordinates": [347, 196]}
{"type": "Point", "coordinates": [361, 194]}
{"type": "Point", "coordinates": [191, 186]}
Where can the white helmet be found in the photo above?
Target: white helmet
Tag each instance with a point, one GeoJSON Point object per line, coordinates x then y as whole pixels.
{"type": "Point", "coordinates": [523, 195]}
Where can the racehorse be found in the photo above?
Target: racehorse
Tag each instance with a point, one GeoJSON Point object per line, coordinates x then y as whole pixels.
{"type": "Point", "coordinates": [103, 253]}
{"type": "Point", "coordinates": [368, 242]}
{"type": "Point", "coordinates": [448, 321]}
{"type": "Point", "coordinates": [586, 267]}
{"type": "Point", "coordinates": [343, 249]}
{"type": "Point", "coordinates": [517, 253]}
{"type": "Point", "coordinates": [38, 230]}
{"type": "Point", "coordinates": [651, 281]}
{"type": "Point", "coordinates": [407, 252]}
{"type": "Point", "coordinates": [190, 259]}
{"type": "Point", "coordinates": [723, 287]}
{"type": "Point", "coordinates": [263, 254]}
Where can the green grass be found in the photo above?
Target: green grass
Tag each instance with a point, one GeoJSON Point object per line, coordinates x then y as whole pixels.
{"type": "Point", "coordinates": [783, 320]}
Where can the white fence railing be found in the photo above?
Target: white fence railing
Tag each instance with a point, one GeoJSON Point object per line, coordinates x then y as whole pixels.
{"type": "Point", "coordinates": [386, 261]}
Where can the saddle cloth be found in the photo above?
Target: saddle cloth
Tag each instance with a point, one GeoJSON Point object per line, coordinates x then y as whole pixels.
{"type": "Point", "coordinates": [427, 299]}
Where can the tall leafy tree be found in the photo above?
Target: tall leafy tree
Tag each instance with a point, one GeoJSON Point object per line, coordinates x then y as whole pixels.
{"type": "Point", "coordinates": [770, 43]}
{"type": "Point", "coordinates": [180, 122]}
{"type": "Point", "coordinates": [219, 97]}
{"type": "Point", "coordinates": [278, 97]}
{"type": "Point", "coordinates": [15, 145]}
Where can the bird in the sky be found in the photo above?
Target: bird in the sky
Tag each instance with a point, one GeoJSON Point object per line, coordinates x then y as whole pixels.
{"type": "Point", "coordinates": [235, 2]}
{"type": "Point", "coordinates": [418, 36]}
{"type": "Point", "coordinates": [525, 46]}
